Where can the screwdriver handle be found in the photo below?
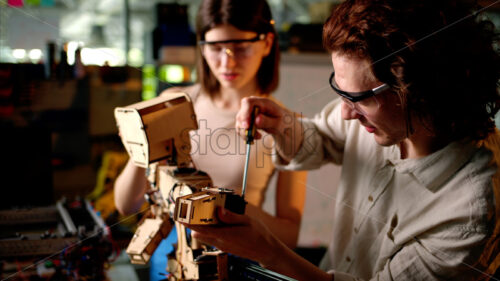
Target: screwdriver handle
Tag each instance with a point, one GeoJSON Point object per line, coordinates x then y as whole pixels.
{"type": "Point", "coordinates": [250, 132]}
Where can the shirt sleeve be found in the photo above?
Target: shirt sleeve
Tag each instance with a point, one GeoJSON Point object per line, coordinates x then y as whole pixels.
{"type": "Point", "coordinates": [440, 255]}
{"type": "Point", "coordinates": [324, 139]}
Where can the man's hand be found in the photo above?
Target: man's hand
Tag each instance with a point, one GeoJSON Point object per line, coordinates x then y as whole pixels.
{"type": "Point", "coordinates": [281, 123]}
{"type": "Point", "coordinates": [247, 237]}
{"type": "Point", "coordinates": [239, 235]}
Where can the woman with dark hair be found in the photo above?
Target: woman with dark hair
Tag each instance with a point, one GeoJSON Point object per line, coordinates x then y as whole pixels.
{"type": "Point", "coordinates": [255, 19]}
{"type": "Point", "coordinates": [413, 129]}
{"type": "Point", "coordinates": [239, 57]}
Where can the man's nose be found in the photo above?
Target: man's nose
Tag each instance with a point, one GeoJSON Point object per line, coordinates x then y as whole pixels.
{"type": "Point", "coordinates": [348, 113]}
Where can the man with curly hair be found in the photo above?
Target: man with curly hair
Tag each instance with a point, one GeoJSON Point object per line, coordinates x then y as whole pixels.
{"type": "Point", "coordinates": [417, 82]}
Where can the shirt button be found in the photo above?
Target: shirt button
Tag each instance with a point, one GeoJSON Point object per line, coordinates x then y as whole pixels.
{"type": "Point", "coordinates": [370, 198]}
{"type": "Point", "coordinates": [356, 230]}
{"type": "Point", "coordinates": [348, 259]}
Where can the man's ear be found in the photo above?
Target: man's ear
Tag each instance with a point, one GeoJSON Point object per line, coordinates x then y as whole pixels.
{"type": "Point", "coordinates": [269, 43]}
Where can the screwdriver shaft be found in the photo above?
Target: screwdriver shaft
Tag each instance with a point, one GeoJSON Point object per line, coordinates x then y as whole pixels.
{"type": "Point", "coordinates": [250, 134]}
{"type": "Point", "coordinates": [245, 172]}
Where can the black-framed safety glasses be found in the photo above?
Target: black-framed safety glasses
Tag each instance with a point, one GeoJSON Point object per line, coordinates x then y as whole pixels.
{"type": "Point", "coordinates": [234, 48]}
{"type": "Point", "coordinates": [255, 39]}
{"type": "Point", "coordinates": [356, 96]}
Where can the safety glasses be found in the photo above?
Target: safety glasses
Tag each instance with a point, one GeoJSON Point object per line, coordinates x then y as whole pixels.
{"type": "Point", "coordinates": [234, 48]}
{"type": "Point", "coordinates": [364, 102]}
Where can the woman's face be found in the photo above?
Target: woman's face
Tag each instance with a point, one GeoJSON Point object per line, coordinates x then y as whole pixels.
{"type": "Point", "coordinates": [235, 64]}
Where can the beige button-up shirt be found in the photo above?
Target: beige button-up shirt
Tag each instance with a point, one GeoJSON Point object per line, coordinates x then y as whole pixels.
{"type": "Point", "coordinates": [400, 219]}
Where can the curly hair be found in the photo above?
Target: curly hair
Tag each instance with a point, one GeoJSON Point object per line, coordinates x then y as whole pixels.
{"type": "Point", "coordinates": [245, 15]}
{"type": "Point", "coordinates": [438, 56]}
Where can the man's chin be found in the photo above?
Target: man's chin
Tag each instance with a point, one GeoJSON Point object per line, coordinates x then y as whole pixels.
{"type": "Point", "coordinates": [383, 140]}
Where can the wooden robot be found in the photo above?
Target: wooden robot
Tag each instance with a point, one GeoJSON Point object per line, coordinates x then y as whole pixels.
{"type": "Point", "coordinates": [155, 133]}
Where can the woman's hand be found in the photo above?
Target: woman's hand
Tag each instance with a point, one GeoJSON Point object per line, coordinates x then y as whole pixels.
{"type": "Point", "coordinates": [241, 236]}
{"type": "Point", "coordinates": [282, 124]}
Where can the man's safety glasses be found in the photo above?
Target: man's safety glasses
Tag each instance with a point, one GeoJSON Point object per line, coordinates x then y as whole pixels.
{"type": "Point", "coordinates": [234, 48]}
{"type": "Point", "coordinates": [362, 102]}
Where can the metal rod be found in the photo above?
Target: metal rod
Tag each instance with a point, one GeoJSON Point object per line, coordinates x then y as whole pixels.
{"type": "Point", "coordinates": [68, 222]}
{"type": "Point", "coordinates": [250, 134]}
{"type": "Point", "coordinates": [245, 172]}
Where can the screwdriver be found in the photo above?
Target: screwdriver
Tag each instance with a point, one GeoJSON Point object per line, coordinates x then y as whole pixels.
{"type": "Point", "coordinates": [249, 137]}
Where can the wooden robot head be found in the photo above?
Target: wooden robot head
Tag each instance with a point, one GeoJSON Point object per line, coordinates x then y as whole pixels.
{"type": "Point", "coordinates": [158, 129]}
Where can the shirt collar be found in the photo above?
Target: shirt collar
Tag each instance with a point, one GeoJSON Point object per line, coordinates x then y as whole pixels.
{"type": "Point", "coordinates": [434, 169]}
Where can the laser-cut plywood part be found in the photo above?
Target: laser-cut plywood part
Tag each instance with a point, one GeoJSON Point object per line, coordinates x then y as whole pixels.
{"type": "Point", "coordinates": [158, 129]}
{"type": "Point", "coordinates": [174, 183]}
{"type": "Point", "coordinates": [200, 208]}
{"type": "Point", "coordinates": [147, 238]}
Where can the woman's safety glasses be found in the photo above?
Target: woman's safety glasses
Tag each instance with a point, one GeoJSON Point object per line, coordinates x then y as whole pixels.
{"type": "Point", "coordinates": [363, 103]}
{"type": "Point", "coordinates": [235, 48]}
